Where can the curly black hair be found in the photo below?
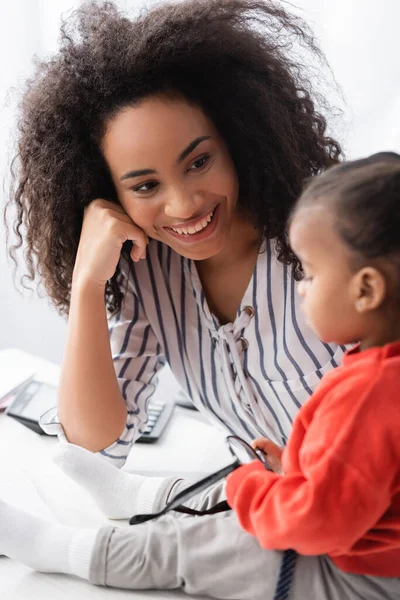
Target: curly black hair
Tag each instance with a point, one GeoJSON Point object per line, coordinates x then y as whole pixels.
{"type": "Point", "coordinates": [232, 58]}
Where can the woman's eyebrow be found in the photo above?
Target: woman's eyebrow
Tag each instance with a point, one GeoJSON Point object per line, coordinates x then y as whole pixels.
{"type": "Point", "coordinates": [138, 173]}
{"type": "Point", "coordinates": [184, 154]}
{"type": "Point", "coordinates": [193, 144]}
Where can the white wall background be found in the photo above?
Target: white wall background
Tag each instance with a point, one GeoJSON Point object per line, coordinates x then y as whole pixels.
{"type": "Point", "coordinates": [359, 38]}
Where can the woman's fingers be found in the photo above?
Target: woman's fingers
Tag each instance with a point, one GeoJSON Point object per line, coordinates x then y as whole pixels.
{"type": "Point", "coordinates": [106, 227]}
{"type": "Point", "coordinates": [137, 253]}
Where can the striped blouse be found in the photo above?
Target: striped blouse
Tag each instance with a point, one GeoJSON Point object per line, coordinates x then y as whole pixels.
{"type": "Point", "coordinates": [250, 376]}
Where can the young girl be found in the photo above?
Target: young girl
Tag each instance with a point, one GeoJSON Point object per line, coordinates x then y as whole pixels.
{"type": "Point", "coordinates": [338, 502]}
{"type": "Point", "coordinates": [340, 493]}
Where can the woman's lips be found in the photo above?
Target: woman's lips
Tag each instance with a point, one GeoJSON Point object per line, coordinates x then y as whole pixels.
{"type": "Point", "coordinates": [199, 236]}
{"type": "Point", "coordinates": [195, 225]}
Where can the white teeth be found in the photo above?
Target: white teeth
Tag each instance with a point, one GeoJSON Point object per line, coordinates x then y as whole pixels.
{"type": "Point", "coordinates": [199, 227]}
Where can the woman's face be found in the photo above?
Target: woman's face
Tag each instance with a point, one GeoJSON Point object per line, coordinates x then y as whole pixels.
{"type": "Point", "coordinates": [173, 175]}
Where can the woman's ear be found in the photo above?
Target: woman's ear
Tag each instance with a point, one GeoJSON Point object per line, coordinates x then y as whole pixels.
{"type": "Point", "coordinates": [369, 289]}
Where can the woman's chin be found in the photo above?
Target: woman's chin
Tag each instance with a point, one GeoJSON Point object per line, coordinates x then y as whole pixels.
{"type": "Point", "coordinates": [202, 250]}
{"type": "Point", "coordinates": [199, 252]}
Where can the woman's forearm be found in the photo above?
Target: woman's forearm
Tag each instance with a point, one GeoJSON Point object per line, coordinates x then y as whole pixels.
{"type": "Point", "coordinates": [91, 408]}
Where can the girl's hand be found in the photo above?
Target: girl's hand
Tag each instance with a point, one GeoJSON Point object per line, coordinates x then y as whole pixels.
{"type": "Point", "coordinates": [272, 453]}
{"type": "Point", "coordinates": [105, 228]}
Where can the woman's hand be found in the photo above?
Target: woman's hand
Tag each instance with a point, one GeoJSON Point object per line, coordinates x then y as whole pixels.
{"type": "Point", "coordinates": [272, 453]}
{"type": "Point", "coordinates": [106, 227]}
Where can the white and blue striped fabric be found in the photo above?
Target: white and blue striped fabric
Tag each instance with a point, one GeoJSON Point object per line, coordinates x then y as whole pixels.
{"type": "Point", "coordinates": [250, 376]}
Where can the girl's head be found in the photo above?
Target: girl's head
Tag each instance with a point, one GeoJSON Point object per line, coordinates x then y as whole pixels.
{"type": "Point", "coordinates": [124, 96]}
{"type": "Point", "coordinates": [345, 230]}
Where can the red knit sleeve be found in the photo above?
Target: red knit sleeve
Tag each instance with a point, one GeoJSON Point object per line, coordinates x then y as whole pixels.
{"type": "Point", "coordinates": [340, 483]}
{"type": "Point", "coordinates": [325, 514]}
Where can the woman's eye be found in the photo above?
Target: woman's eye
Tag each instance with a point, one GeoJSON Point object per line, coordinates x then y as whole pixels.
{"type": "Point", "coordinates": [146, 187]}
{"type": "Point", "coordinates": [199, 162]}
{"type": "Point", "coordinates": [307, 279]}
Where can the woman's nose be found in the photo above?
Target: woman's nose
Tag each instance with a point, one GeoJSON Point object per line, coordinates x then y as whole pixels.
{"type": "Point", "coordinates": [181, 204]}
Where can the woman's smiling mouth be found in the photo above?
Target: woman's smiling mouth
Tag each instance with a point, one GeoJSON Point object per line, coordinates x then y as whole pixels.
{"type": "Point", "coordinates": [198, 230]}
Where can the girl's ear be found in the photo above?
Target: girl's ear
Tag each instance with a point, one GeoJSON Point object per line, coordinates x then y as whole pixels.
{"type": "Point", "coordinates": [369, 289]}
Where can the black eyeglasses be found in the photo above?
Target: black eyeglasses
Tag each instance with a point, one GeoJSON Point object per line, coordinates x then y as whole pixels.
{"type": "Point", "coordinates": [242, 452]}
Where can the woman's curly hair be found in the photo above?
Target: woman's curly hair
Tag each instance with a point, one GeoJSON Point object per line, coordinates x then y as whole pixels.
{"type": "Point", "coordinates": [232, 58]}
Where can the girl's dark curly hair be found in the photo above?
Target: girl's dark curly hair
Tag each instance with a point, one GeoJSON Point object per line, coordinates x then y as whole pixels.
{"type": "Point", "coordinates": [364, 198]}
{"type": "Point", "coordinates": [229, 57]}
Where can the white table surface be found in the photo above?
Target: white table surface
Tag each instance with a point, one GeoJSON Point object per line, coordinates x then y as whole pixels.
{"type": "Point", "coordinates": [29, 479]}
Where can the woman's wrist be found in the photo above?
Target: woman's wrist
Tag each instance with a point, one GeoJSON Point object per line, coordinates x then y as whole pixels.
{"type": "Point", "coordinates": [83, 285]}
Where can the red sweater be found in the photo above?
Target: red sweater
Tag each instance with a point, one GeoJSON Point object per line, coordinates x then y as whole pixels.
{"type": "Point", "coordinates": [340, 494]}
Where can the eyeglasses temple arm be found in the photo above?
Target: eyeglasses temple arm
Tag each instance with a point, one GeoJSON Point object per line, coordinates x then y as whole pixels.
{"type": "Point", "coordinates": [201, 485]}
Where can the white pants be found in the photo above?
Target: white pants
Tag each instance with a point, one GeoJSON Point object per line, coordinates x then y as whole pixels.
{"type": "Point", "coordinates": [214, 556]}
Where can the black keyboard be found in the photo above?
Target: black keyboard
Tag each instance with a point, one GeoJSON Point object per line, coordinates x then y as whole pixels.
{"type": "Point", "coordinates": [158, 415]}
{"type": "Point", "coordinates": [29, 400]}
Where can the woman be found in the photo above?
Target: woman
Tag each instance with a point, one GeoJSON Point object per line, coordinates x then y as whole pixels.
{"type": "Point", "coordinates": [158, 160]}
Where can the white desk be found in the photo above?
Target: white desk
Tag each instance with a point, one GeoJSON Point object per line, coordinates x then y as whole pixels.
{"type": "Point", "coordinates": [28, 477]}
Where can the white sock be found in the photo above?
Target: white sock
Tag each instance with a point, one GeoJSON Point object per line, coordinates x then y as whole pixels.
{"type": "Point", "coordinates": [45, 546]}
{"type": "Point", "coordinates": [118, 494]}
